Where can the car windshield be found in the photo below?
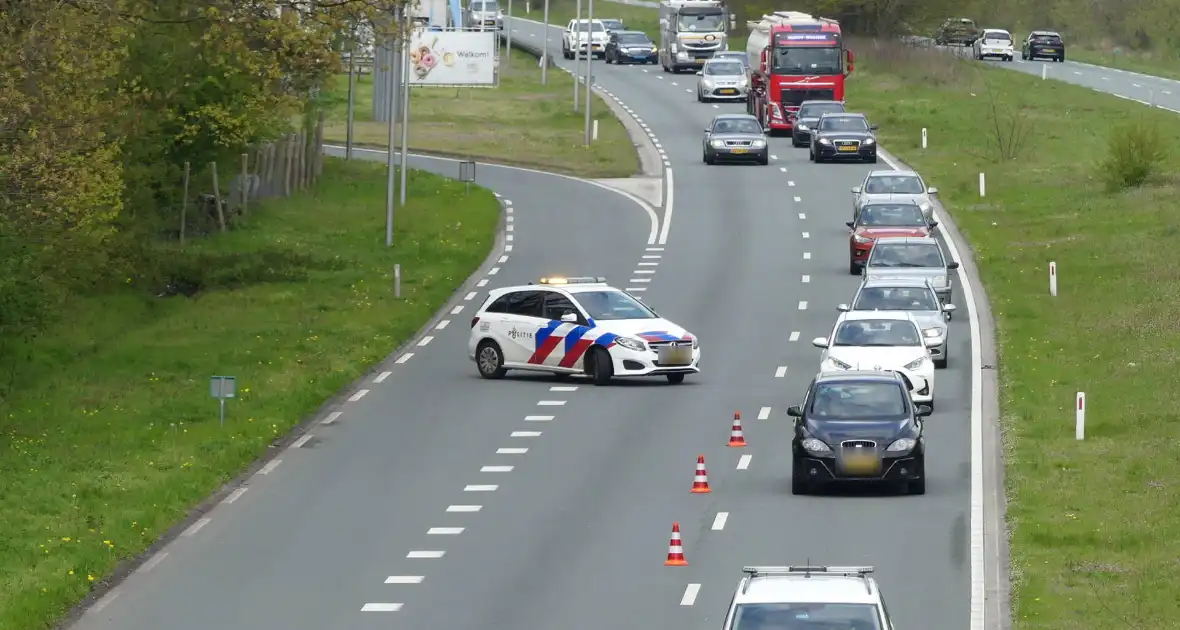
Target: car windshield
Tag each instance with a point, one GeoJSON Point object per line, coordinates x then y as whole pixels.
{"type": "Point", "coordinates": [909, 255]}
{"type": "Point", "coordinates": [613, 25]}
{"type": "Point", "coordinates": [700, 23]}
{"type": "Point", "coordinates": [998, 36]}
{"type": "Point", "coordinates": [594, 26]}
{"type": "Point", "coordinates": [899, 215]}
{"type": "Point", "coordinates": [488, 7]}
{"type": "Point", "coordinates": [634, 38]}
{"type": "Point", "coordinates": [807, 60]}
{"type": "Point", "coordinates": [612, 305]}
{"type": "Point", "coordinates": [725, 68]}
{"type": "Point", "coordinates": [806, 616]}
{"type": "Point", "coordinates": [815, 111]}
{"type": "Point", "coordinates": [843, 123]}
{"type": "Point", "coordinates": [877, 333]}
{"type": "Point", "coordinates": [738, 57]}
{"type": "Point", "coordinates": [737, 125]}
{"type": "Point", "coordinates": [896, 299]}
{"type": "Point", "coordinates": [894, 184]}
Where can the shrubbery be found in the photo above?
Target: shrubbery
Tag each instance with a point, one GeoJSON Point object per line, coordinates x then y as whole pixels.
{"type": "Point", "coordinates": [1135, 155]}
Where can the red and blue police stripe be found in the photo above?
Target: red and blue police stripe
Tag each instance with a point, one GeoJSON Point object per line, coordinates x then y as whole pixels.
{"type": "Point", "coordinates": [577, 339]}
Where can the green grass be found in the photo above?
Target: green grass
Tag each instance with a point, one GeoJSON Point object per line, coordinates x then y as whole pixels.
{"type": "Point", "coordinates": [1155, 64]}
{"type": "Point", "coordinates": [110, 436]}
{"type": "Point", "coordinates": [520, 122]}
{"type": "Point", "coordinates": [1095, 540]}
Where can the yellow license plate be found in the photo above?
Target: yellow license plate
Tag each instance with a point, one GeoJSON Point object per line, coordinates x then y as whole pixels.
{"type": "Point", "coordinates": [676, 355]}
{"type": "Point", "coordinates": [700, 61]}
{"type": "Point", "coordinates": [862, 464]}
{"type": "Point", "coordinates": [740, 151]}
{"type": "Point", "coordinates": [728, 91]}
{"type": "Point", "coordinates": [847, 149]}
{"type": "Point", "coordinates": [1052, 50]}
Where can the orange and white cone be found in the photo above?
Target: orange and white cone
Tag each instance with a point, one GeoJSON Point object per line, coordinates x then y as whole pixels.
{"type": "Point", "coordinates": [700, 482]}
{"type": "Point", "coordinates": [736, 437]}
{"type": "Point", "coordinates": [675, 550]}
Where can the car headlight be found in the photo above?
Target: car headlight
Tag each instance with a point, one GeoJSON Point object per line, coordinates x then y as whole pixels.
{"type": "Point", "coordinates": [696, 343]}
{"type": "Point", "coordinates": [674, 49]}
{"type": "Point", "coordinates": [915, 364]}
{"type": "Point", "coordinates": [838, 364]}
{"type": "Point", "coordinates": [824, 141]}
{"type": "Point", "coordinates": [941, 281]}
{"type": "Point", "coordinates": [902, 445]}
{"type": "Point", "coordinates": [708, 83]}
{"type": "Point", "coordinates": [869, 141]}
{"type": "Point", "coordinates": [812, 445]}
{"type": "Point", "coordinates": [802, 127]}
{"type": "Point", "coordinates": [863, 240]}
{"type": "Point", "coordinates": [717, 144]}
{"type": "Point", "coordinates": [631, 344]}
{"type": "Point", "coordinates": [932, 332]}
{"type": "Point", "coordinates": [758, 144]}
{"type": "Point", "coordinates": [743, 83]}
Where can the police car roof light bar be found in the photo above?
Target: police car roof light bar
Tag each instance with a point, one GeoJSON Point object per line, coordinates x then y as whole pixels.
{"type": "Point", "coordinates": [574, 280]}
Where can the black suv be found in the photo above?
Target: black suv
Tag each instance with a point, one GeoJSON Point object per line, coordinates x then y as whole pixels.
{"type": "Point", "coordinates": [843, 136]}
{"type": "Point", "coordinates": [804, 120]}
{"type": "Point", "coordinates": [858, 426]}
{"type": "Point", "coordinates": [1044, 44]}
{"type": "Point", "coordinates": [957, 31]}
{"type": "Point", "coordinates": [629, 47]}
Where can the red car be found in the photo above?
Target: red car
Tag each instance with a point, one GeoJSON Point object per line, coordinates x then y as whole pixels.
{"type": "Point", "coordinates": [877, 220]}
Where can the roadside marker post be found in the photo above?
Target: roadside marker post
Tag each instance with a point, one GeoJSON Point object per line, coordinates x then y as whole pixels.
{"type": "Point", "coordinates": [982, 186]}
{"type": "Point", "coordinates": [1053, 279]}
{"type": "Point", "coordinates": [923, 137]}
{"type": "Point", "coordinates": [397, 281]}
{"type": "Point", "coordinates": [594, 130]}
{"type": "Point", "coordinates": [223, 388]}
{"type": "Point", "coordinates": [1044, 71]}
{"type": "Point", "coordinates": [1080, 422]}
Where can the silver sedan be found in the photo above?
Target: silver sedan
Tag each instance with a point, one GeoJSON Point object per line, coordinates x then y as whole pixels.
{"type": "Point", "coordinates": [915, 296]}
{"type": "Point", "coordinates": [884, 186]}
{"type": "Point", "coordinates": [735, 138]}
{"type": "Point", "coordinates": [722, 80]}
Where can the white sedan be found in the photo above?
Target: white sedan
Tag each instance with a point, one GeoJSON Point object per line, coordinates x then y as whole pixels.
{"type": "Point", "coordinates": [881, 340]}
{"type": "Point", "coordinates": [578, 326]}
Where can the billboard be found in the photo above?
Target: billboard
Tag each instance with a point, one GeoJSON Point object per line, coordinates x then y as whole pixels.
{"type": "Point", "coordinates": [453, 58]}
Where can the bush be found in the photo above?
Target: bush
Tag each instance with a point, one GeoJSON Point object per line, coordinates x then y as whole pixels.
{"type": "Point", "coordinates": [1135, 153]}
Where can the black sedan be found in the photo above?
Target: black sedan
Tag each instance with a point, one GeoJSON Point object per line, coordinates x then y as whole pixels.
{"type": "Point", "coordinates": [1043, 44]}
{"type": "Point", "coordinates": [858, 426]}
{"type": "Point", "coordinates": [843, 136]}
{"type": "Point", "coordinates": [807, 117]}
{"type": "Point", "coordinates": [630, 47]}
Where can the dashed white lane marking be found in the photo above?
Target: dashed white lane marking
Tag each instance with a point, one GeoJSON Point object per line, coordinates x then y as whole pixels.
{"type": "Point", "coordinates": [794, 336]}
{"type": "Point", "coordinates": [643, 271]}
{"type": "Point", "coordinates": [797, 200]}
{"type": "Point", "coordinates": [782, 169]}
{"type": "Point", "coordinates": [470, 296]}
{"type": "Point", "coordinates": [805, 279]}
{"type": "Point", "coordinates": [744, 462]}
{"type": "Point", "coordinates": [510, 218]}
{"type": "Point", "coordinates": [381, 607]}
{"type": "Point", "coordinates": [106, 601]}
{"type": "Point", "coordinates": [493, 271]}
{"type": "Point", "coordinates": [405, 357]}
{"type": "Point", "coordinates": [807, 235]}
{"type": "Point", "coordinates": [302, 440]}
{"type": "Point", "coordinates": [425, 340]}
{"type": "Point", "coordinates": [482, 283]}
{"type": "Point", "coordinates": [503, 259]}
{"type": "Point", "coordinates": [1105, 78]}
{"type": "Point", "coordinates": [404, 579]}
{"type": "Point", "coordinates": [443, 324]}
{"type": "Point", "coordinates": [444, 531]}
{"type": "Point", "coordinates": [780, 372]}
{"type": "Point", "coordinates": [510, 238]}
{"type": "Point", "coordinates": [464, 508]}
{"type": "Point", "coordinates": [496, 469]}
{"type": "Point", "coordinates": [790, 183]}
{"type": "Point", "coordinates": [196, 527]}
{"type": "Point", "coordinates": [802, 216]}
{"type": "Point", "coordinates": [480, 488]}
{"type": "Point", "coordinates": [510, 227]}
{"type": "Point", "coordinates": [270, 466]}
{"type": "Point", "coordinates": [674, 83]}
{"type": "Point", "coordinates": [773, 157]}
{"type": "Point", "coordinates": [357, 396]}
{"type": "Point", "coordinates": [384, 375]}
{"type": "Point", "coordinates": [719, 521]}
{"type": "Point", "coordinates": [524, 434]}
{"type": "Point", "coordinates": [550, 403]}
{"type": "Point", "coordinates": [237, 494]}
{"type": "Point", "coordinates": [511, 451]}
{"type": "Point", "coordinates": [764, 413]}
{"type": "Point", "coordinates": [1136, 85]}
{"type": "Point", "coordinates": [507, 248]}
{"type": "Point", "coordinates": [564, 388]}
{"type": "Point", "coordinates": [654, 249]}
{"type": "Point", "coordinates": [152, 562]}
{"type": "Point", "coordinates": [426, 555]}
{"type": "Point", "coordinates": [640, 280]}
{"type": "Point", "coordinates": [1077, 73]}
{"type": "Point", "coordinates": [648, 264]}
{"type": "Point", "coordinates": [1166, 92]}
{"type": "Point", "coordinates": [538, 418]}
{"type": "Point", "coordinates": [803, 305]}
{"type": "Point", "coordinates": [806, 255]}
{"type": "Point", "coordinates": [690, 595]}
{"type": "Point", "coordinates": [652, 256]}
{"type": "Point", "coordinates": [635, 289]}
{"type": "Point", "coordinates": [508, 202]}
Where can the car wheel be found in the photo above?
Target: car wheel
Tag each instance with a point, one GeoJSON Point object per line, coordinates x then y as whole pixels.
{"type": "Point", "coordinates": [872, 160]}
{"type": "Point", "coordinates": [599, 367]}
{"type": "Point", "coordinates": [710, 159]}
{"type": "Point", "coordinates": [917, 486]}
{"type": "Point", "coordinates": [675, 379]}
{"type": "Point", "coordinates": [795, 143]}
{"type": "Point", "coordinates": [853, 269]}
{"type": "Point", "coordinates": [700, 99]}
{"type": "Point", "coordinates": [489, 359]}
{"type": "Point", "coordinates": [1061, 59]}
{"type": "Point", "coordinates": [818, 159]}
{"type": "Point", "coordinates": [606, 59]}
{"type": "Point", "coordinates": [940, 363]}
{"type": "Point", "coordinates": [799, 485]}
{"type": "Point", "coordinates": [765, 159]}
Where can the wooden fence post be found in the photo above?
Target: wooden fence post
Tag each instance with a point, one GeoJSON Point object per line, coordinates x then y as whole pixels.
{"type": "Point", "coordinates": [184, 204]}
{"type": "Point", "coordinates": [217, 197]}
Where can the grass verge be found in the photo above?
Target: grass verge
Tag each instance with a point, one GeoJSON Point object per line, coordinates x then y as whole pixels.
{"type": "Point", "coordinates": [1093, 533]}
{"type": "Point", "coordinates": [520, 122]}
{"type": "Point", "coordinates": [109, 434]}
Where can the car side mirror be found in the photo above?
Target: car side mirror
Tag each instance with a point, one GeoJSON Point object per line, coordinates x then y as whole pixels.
{"type": "Point", "coordinates": [952, 265]}
{"type": "Point", "coordinates": [856, 190]}
{"type": "Point", "coordinates": [570, 317]}
{"type": "Point", "coordinates": [700, 73]}
{"type": "Point", "coordinates": [933, 224]}
{"type": "Point", "coordinates": [923, 410]}
{"type": "Point", "coordinates": [766, 130]}
{"type": "Point", "coordinates": [795, 411]}
{"type": "Point", "coordinates": [819, 342]}
{"type": "Point", "coordinates": [843, 308]}
{"type": "Point", "coordinates": [850, 223]}
{"type": "Point", "coordinates": [872, 127]}
{"type": "Point", "coordinates": [707, 130]}
{"type": "Point", "coordinates": [931, 191]}
{"type": "Point", "coordinates": [931, 341]}
{"type": "Point", "coordinates": [948, 308]}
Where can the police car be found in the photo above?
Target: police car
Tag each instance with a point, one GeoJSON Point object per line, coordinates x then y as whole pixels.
{"type": "Point", "coordinates": [578, 326]}
{"type": "Point", "coordinates": [807, 597]}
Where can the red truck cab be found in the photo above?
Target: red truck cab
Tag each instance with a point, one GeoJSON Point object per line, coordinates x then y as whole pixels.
{"type": "Point", "coordinates": [802, 61]}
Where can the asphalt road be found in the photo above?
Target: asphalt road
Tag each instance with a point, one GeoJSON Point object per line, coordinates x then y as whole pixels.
{"type": "Point", "coordinates": [573, 536]}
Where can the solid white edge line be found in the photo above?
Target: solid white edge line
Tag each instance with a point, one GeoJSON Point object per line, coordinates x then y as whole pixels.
{"type": "Point", "coordinates": [978, 582]}
{"type": "Point", "coordinates": [196, 527]}
{"type": "Point", "coordinates": [690, 595]}
{"type": "Point", "coordinates": [671, 186]}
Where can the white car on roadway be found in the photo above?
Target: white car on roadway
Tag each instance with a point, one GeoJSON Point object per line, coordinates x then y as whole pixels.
{"type": "Point", "coordinates": [881, 340]}
{"type": "Point", "coordinates": [578, 33]}
{"type": "Point", "coordinates": [807, 597]}
{"type": "Point", "coordinates": [994, 42]}
{"type": "Point", "coordinates": [578, 326]}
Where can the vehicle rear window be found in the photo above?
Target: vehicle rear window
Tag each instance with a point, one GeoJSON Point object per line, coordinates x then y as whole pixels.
{"type": "Point", "coordinates": [1047, 39]}
{"type": "Point", "coordinates": [896, 299]}
{"type": "Point", "coordinates": [1001, 37]}
{"type": "Point", "coordinates": [898, 255]}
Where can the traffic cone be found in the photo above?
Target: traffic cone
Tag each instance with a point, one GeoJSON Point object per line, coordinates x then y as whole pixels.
{"type": "Point", "coordinates": [675, 550]}
{"type": "Point", "coordinates": [700, 483]}
{"type": "Point", "coordinates": [736, 437]}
